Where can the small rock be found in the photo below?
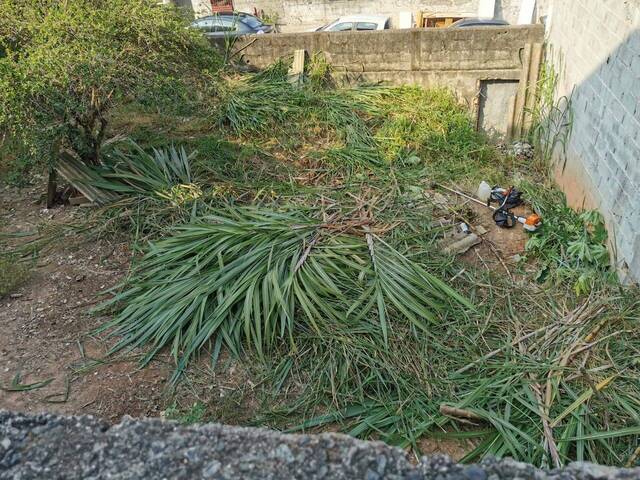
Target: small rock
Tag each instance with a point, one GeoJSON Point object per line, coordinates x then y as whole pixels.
{"type": "Point", "coordinates": [283, 452]}
{"type": "Point", "coordinates": [211, 469]}
{"type": "Point", "coordinates": [515, 259]}
{"type": "Point", "coordinates": [371, 475]}
{"type": "Point", "coordinates": [522, 150]}
{"type": "Point", "coordinates": [461, 246]}
{"type": "Point", "coordinates": [6, 443]}
{"type": "Point", "coordinates": [474, 473]}
{"type": "Point", "coordinates": [481, 230]}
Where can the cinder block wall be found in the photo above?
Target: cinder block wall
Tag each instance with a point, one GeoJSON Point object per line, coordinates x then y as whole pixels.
{"type": "Point", "coordinates": [595, 47]}
{"type": "Point", "coordinates": [455, 58]}
{"type": "Point", "coordinates": [302, 15]}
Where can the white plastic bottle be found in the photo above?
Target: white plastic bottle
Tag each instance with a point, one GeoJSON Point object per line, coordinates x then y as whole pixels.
{"type": "Point", "coordinates": [484, 191]}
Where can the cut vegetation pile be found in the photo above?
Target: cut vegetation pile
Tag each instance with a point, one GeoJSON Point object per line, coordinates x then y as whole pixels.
{"type": "Point", "coordinates": [296, 231]}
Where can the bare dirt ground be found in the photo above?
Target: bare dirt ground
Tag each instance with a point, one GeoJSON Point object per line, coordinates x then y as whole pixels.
{"type": "Point", "coordinates": [46, 330]}
{"type": "Point", "coordinates": [46, 326]}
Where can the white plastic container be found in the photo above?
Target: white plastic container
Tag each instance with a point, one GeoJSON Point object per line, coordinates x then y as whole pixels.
{"type": "Point", "coordinates": [484, 191]}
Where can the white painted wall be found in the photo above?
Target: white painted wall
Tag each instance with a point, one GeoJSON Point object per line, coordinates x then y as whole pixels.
{"type": "Point", "coordinates": [595, 46]}
{"type": "Point", "coordinates": [302, 15]}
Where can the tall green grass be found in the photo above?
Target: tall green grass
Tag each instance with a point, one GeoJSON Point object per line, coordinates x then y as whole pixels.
{"type": "Point", "coordinates": [362, 127]}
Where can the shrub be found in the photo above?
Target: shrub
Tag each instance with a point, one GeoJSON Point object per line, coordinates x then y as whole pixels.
{"type": "Point", "coordinates": [64, 65]}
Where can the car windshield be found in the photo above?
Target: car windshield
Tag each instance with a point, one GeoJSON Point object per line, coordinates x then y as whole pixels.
{"type": "Point", "coordinates": [253, 22]}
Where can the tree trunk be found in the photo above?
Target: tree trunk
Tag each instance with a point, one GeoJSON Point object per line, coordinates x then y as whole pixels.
{"type": "Point", "coordinates": [52, 188]}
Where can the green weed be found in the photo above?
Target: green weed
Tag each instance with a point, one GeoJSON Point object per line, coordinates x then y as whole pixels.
{"type": "Point", "coordinates": [552, 120]}
{"type": "Point", "coordinates": [194, 414]}
{"type": "Point", "coordinates": [572, 246]}
{"type": "Point", "coordinates": [12, 274]}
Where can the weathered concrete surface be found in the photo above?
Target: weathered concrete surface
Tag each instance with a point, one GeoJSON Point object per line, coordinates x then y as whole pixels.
{"type": "Point", "coordinates": [51, 447]}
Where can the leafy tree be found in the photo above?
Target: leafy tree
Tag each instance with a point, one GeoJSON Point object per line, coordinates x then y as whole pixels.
{"type": "Point", "coordinates": [65, 63]}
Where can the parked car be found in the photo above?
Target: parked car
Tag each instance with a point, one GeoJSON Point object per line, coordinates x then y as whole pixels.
{"type": "Point", "coordinates": [356, 23]}
{"type": "Point", "coordinates": [234, 24]}
{"type": "Point", "coordinates": [478, 22]}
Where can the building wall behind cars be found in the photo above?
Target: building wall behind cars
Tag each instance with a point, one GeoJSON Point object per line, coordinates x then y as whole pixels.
{"type": "Point", "coordinates": [303, 15]}
{"type": "Point", "coordinates": [594, 46]}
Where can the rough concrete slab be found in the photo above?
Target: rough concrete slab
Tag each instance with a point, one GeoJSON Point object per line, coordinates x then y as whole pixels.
{"type": "Point", "coordinates": [52, 447]}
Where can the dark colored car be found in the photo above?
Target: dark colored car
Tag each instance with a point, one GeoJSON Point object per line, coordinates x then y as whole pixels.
{"type": "Point", "coordinates": [231, 25]}
{"type": "Point", "coordinates": [479, 22]}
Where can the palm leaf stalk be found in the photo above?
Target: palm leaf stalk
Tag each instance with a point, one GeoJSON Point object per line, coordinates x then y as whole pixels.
{"type": "Point", "coordinates": [135, 172]}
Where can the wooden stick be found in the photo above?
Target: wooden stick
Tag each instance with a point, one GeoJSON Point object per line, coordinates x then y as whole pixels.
{"type": "Point", "coordinates": [458, 413]}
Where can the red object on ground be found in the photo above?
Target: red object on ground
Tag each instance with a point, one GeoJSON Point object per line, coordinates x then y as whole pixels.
{"type": "Point", "coordinates": [222, 6]}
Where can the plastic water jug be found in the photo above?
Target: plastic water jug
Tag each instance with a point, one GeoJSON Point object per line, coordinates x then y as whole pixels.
{"type": "Point", "coordinates": [484, 191]}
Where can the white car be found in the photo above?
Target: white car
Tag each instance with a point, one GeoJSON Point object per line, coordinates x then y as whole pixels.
{"type": "Point", "coordinates": [355, 23]}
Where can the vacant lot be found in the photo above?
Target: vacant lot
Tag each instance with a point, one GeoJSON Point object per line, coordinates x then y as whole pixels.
{"type": "Point", "coordinates": [275, 254]}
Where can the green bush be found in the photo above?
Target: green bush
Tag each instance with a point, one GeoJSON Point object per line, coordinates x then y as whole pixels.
{"type": "Point", "coordinates": [64, 65]}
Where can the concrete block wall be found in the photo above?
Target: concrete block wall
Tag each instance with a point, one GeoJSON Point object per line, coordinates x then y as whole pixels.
{"type": "Point", "coordinates": [595, 47]}
{"type": "Point", "coordinates": [455, 58]}
{"type": "Point", "coordinates": [303, 15]}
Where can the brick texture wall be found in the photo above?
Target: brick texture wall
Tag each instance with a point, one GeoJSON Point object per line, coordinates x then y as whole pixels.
{"type": "Point", "coordinates": [595, 46]}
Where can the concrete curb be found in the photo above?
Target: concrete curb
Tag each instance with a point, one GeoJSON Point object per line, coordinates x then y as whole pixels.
{"type": "Point", "coordinates": [55, 447]}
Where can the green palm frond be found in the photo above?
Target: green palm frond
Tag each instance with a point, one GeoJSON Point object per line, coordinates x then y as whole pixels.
{"type": "Point", "coordinates": [136, 172]}
{"type": "Point", "coordinates": [250, 278]}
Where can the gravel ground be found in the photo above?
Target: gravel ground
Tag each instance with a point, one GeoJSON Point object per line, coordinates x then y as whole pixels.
{"type": "Point", "coordinates": [54, 447]}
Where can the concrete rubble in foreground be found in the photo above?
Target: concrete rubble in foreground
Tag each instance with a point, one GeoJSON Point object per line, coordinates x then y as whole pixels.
{"type": "Point", "coordinates": [53, 447]}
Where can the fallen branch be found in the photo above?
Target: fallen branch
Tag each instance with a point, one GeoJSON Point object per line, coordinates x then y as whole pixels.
{"type": "Point", "coordinates": [454, 412]}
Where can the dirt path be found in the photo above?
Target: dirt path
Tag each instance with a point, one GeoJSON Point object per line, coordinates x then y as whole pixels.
{"type": "Point", "coordinates": [45, 326]}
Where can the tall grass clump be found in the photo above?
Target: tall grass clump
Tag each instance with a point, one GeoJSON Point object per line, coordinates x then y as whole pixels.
{"type": "Point", "coordinates": [552, 120]}
{"type": "Point", "coordinates": [361, 126]}
{"type": "Point", "coordinates": [433, 125]}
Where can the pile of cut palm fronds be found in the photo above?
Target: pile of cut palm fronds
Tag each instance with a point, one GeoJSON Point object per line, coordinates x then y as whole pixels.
{"type": "Point", "coordinates": [249, 278]}
{"type": "Point", "coordinates": [546, 391]}
{"type": "Point", "coordinates": [135, 172]}
{"type": "Point", "coordinates": [157, 189]}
